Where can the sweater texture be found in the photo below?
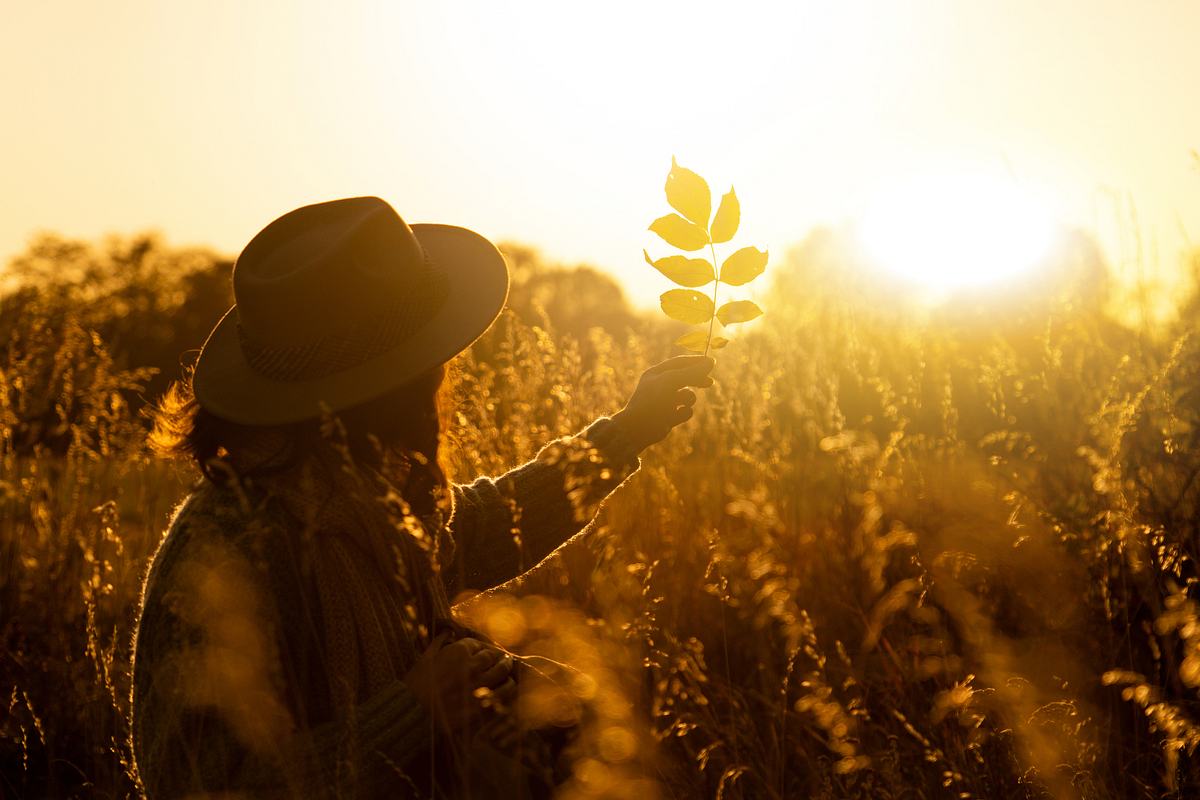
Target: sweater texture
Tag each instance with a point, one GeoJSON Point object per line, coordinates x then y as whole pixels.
{"type": "Point", "coordinates": [277, 622]}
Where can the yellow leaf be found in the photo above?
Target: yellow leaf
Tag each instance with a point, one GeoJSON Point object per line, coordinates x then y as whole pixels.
{"type": "Point", "coordinates": [678, 232]}
{"type": "Point", "coordinates": [688, 194]}
{"type": "Point", "coordinates": [696, 341]}
{"type": "Point", "coordinates": [738, 311]}
{"type": "Point", "coordinates": [693, 340]}
{"type": "Point", "coordinates": [729, 214]}
{"type": "Point", "coordinates": [743, 266]}
{"type": "Point", "coordinates": [683, 270]}
{"type": "Point", "coordinates": [687, 305]}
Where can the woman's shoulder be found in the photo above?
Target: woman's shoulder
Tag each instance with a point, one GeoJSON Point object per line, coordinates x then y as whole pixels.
{"type": "Point", "coordinates": [208, 513]}
{"type": "Point", "coordinates": [209, 568]}
{"type": "Point", "coordinates": [211, 505]}
{"type": "Point", "coordinates": [213, 529]}
{"type": "Point", "coordinates": [205, 596]}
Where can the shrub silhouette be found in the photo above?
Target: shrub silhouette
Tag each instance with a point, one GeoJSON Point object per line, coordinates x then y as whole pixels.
{"type": "Point", "coordinates": [150, 303]}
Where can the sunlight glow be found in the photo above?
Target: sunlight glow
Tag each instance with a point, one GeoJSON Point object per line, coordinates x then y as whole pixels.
{"type": "Point", "coordinates": [951, 230]}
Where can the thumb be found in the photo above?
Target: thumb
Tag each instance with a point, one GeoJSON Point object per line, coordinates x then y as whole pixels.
{"type": "Point", "coordinates": [438, 642]}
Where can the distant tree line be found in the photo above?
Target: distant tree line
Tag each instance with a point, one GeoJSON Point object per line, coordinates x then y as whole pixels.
{"type": "Point", "coordinates": [121, 318]}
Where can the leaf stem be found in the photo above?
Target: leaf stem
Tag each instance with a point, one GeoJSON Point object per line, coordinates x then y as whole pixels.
{"type": "Point", "coordinates": [716, 286]}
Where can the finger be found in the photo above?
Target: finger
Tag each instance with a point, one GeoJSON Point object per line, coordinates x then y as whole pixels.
{"type": "Point", "coordinates": [682, 415]}
{"type": "Point", "coordinates": [681, 362]}
{"type": "Point", "coordinates": [507, 691]}
{"type": "Point", "coordinates": [498, 697]}
{"type": "Point", "coordinates": [484, 659]}
{"type": "Point", "coordinates": [685, 397]}
{"type": "Point", "coordinates": [493, 675]}
{"type": "Point", "coordinates": [438, 642]}
{"type": "Point", "coordinates": [694, 374]}
{"type": "Point", "coordinates": [471, 644]}
{"type": "Point", "coordinates": [459, 650]}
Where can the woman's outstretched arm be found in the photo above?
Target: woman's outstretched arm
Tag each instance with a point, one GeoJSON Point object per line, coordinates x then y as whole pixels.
{"type": "Point", "coordinates": [504, 526]}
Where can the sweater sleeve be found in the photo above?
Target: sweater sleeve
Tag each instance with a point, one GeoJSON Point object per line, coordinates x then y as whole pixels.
{"type": "Point", "coordinates": [211, 708]}
{"type": "Point", "coordinates": [505, 526]}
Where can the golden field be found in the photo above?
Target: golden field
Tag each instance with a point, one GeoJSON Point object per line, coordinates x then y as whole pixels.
{"type": "Point", "coordinates": [900, 552]}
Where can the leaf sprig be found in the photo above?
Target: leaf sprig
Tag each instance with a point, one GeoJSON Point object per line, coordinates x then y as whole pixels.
{"type": "Point", "coordinates": [688, 194]}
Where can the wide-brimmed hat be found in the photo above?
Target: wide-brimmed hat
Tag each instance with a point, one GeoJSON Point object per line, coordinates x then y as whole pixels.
{"type": "Point", "coordinates": [338, 303]}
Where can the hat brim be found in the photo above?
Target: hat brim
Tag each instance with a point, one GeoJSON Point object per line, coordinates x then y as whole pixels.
{"type": "Point", "coordinates": [227, 386]}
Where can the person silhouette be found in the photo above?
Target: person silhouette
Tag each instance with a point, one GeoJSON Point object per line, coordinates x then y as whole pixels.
{"type": "Point", "coordinates": [295, 635]}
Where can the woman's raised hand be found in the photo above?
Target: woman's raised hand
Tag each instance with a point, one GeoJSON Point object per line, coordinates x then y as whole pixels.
{"type": "Point", "coordinates": [662, 399]}
{"type": "Point", "coordinates": [451, 678]}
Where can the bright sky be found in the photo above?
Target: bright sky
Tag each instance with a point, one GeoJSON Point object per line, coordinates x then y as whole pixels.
{"type": "Point", "coordinates": [554, 122]}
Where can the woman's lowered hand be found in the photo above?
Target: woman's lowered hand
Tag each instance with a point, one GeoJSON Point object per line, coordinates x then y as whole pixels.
{"type": "Point", "coordinates": [452, 678]}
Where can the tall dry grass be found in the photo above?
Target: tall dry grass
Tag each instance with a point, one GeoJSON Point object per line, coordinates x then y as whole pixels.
{"type": "Point", "coordinates": [898, 553]}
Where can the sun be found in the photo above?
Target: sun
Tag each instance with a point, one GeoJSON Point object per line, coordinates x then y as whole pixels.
{"type": "Point", "coordinates": [956, 229]}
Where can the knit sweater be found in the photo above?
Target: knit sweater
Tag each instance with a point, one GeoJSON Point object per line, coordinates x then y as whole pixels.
{"type": "Point", "coordinates": [231, 689]}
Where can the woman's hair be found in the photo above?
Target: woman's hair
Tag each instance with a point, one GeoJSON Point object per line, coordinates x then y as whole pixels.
{"type": "Point", "coordinates": [408, 422]}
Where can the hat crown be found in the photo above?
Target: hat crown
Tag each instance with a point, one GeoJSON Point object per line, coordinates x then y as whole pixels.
{"type": "Point", "coordinates": [339, 302]}
{"type": "Point", "coordinates": [321, 269]}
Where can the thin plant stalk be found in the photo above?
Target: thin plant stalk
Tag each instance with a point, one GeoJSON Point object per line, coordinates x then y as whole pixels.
{"type": "Point", "coordinates": [716, 285]}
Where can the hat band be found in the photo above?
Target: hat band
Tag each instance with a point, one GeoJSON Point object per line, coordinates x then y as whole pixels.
{"type": "Point", "coordinates": [366, 339]}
